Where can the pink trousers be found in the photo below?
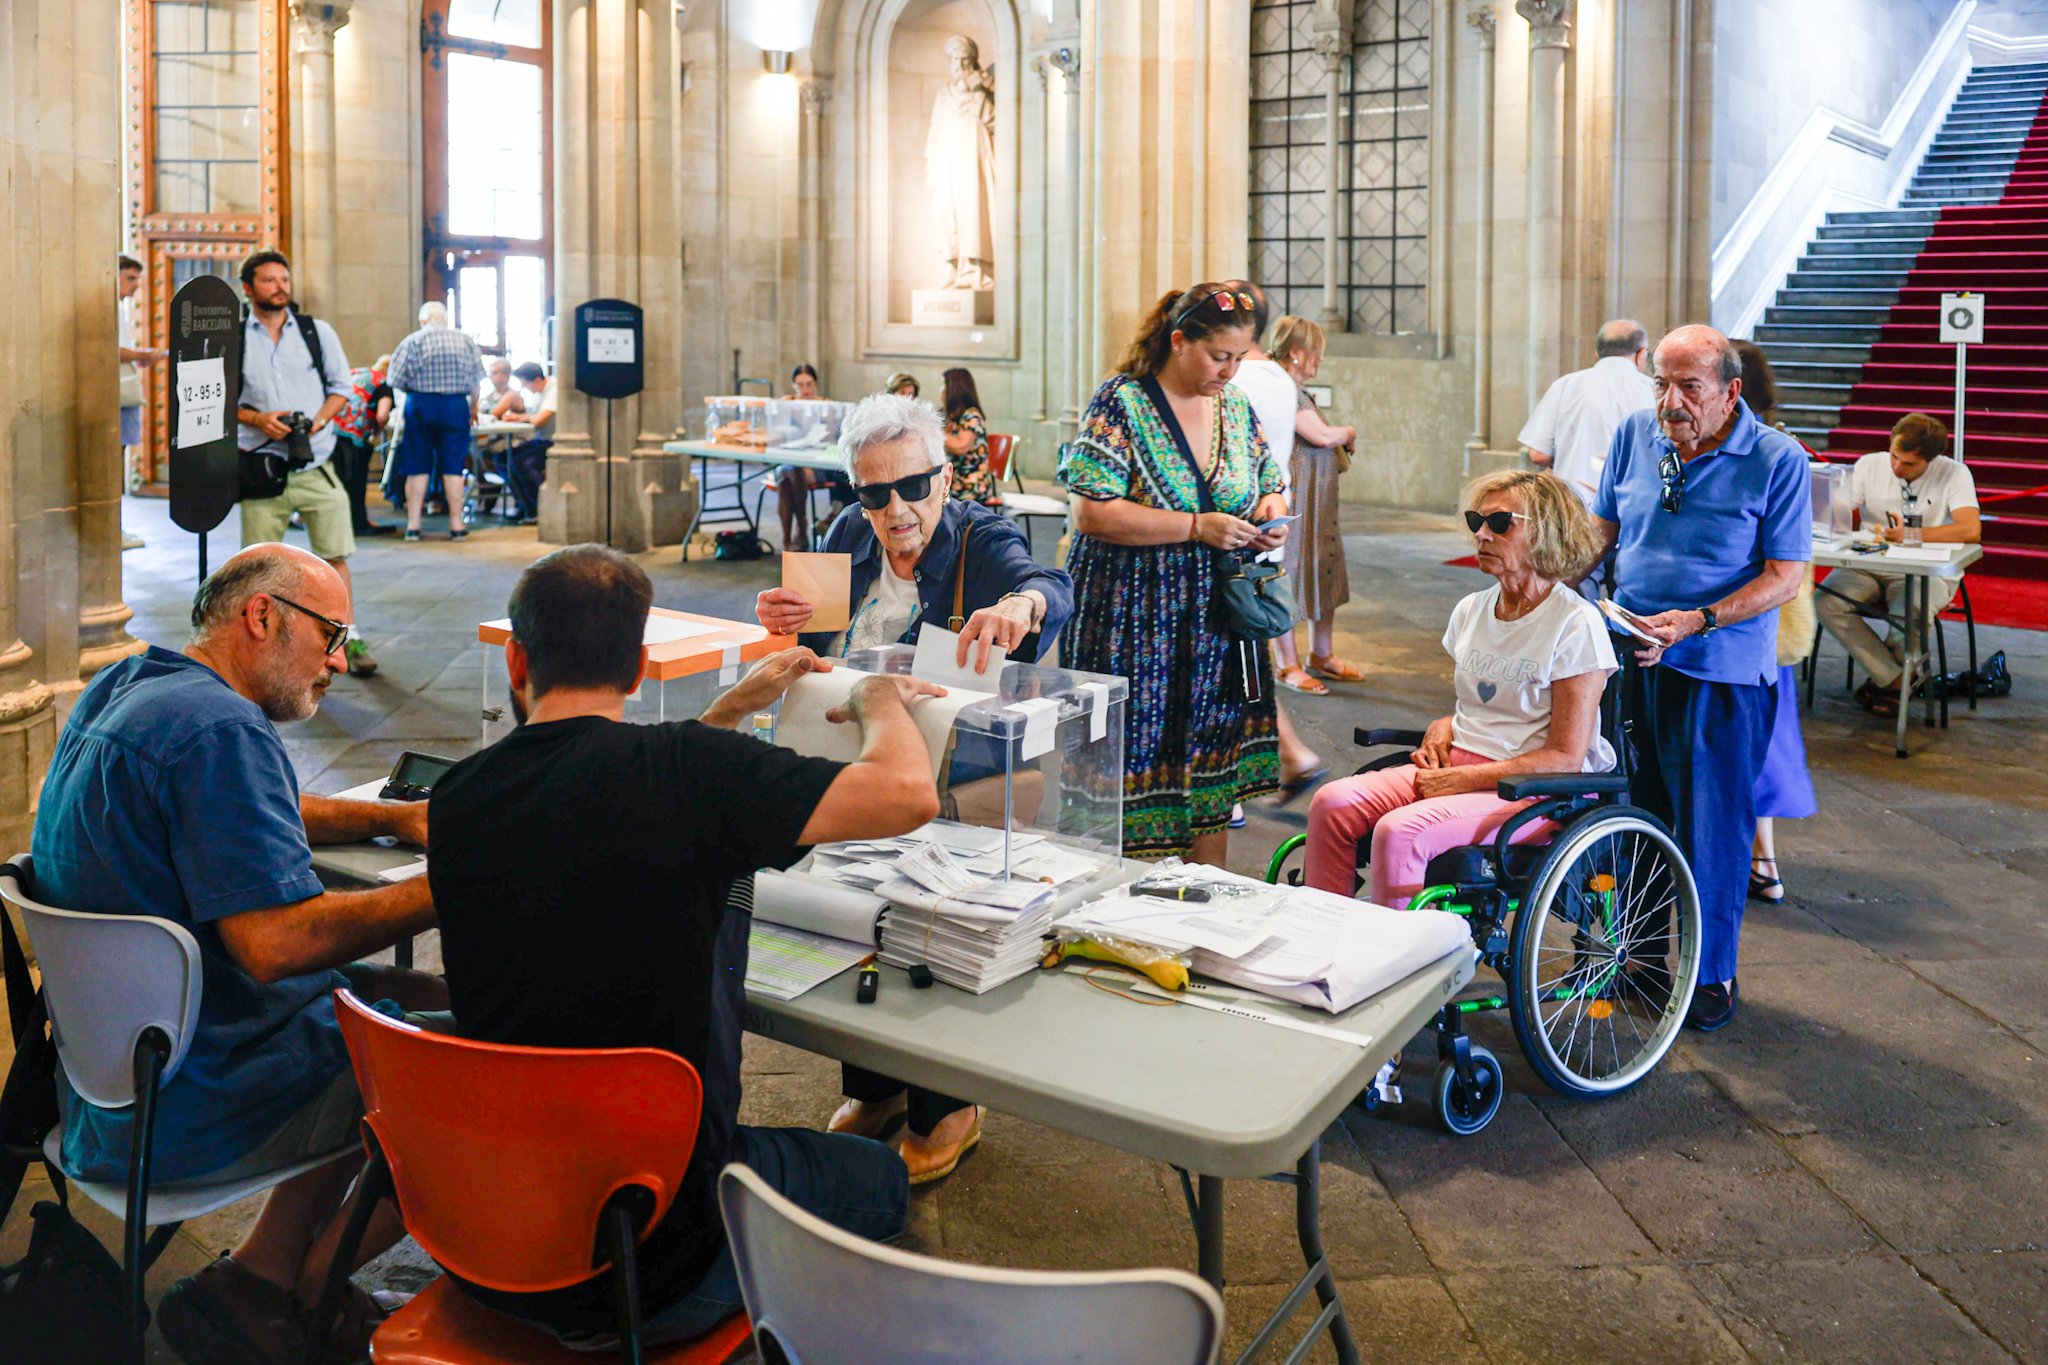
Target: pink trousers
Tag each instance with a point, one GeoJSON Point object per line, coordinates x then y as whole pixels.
{"type": "Point", "coordinates": [1407, 830]}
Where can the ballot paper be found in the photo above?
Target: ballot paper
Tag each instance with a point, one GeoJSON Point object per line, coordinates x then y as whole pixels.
{"type": "Point", "coordinates": [937, 648]}
{"type": "Point", "coordinates": [405, 872]}
{"type": "Point", "coordinates": [1227, 929]}
{"type": "Point", "coordinates": [932, 868]}
{"type": "Point", "coordinates": [1625, 622]}
{"type": "Point", "coordinates": [802, 725]}
{"type": "Point", "coordinates": [1920, 554]}
{"type": "Point", "coordinates": [1332, 952]}
{"type": "Point", "coordinates": [825, 581]}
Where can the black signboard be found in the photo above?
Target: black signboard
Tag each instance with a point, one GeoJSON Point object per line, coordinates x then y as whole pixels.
{"type": "Point", "coordinates": [611, 362]}
{"type": "Point", "coordinates": [206, 383]}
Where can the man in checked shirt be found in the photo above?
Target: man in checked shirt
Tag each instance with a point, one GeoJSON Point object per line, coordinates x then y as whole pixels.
{"type": "Point", "coordinates": [439, 370]}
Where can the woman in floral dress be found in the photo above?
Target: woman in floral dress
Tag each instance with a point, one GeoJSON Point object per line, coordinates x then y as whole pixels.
{"type": "Point", "coordinates": [967, 441]}
{"type": "Point", "coordinates": [1199, 736]}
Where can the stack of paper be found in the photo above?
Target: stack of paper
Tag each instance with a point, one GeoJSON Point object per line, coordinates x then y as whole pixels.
{"type": "Point", "coordinates": [806, 931]}
{"type": "Point", "coordinates": [973, 931]}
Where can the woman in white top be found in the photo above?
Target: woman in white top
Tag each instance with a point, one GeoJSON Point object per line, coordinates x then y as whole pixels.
{"type": "Point", "coordinates": [1531, 660]}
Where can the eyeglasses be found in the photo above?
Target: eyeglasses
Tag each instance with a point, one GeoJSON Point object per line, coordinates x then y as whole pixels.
{"type": "Point", "coordinates": [915, 488]}
{"type": "Point", "coordinates": [1496, 522]}
{"type": "Point", "coordinates": [337, 631]}
{"type": "Point", "coordinates": [1226, 300]}
{"type": "Point", "coordinates": [1672, 471]}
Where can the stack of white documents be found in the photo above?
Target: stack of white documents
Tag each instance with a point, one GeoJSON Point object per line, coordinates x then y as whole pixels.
{"type": "Point", "coordinates": [973, 931]}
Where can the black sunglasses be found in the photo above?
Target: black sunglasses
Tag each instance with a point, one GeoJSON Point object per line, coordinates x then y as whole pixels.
{"type": "Point", "coordinates": [875, 496]}
{"type": "Point", "coordinates": [337, 631]}
{"type": "Point", "coordinates": [1227, 300]}
{"type": "Point", "coordinates": [1672, 471]}
{"type": "Point", "coordinates": [1496, 522]}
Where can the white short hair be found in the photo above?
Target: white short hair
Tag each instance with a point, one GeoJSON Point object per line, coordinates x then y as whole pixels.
{"type": "Point", "coordinates": [433, 314]}
{"type": "Point", "coordinates": [883, 417]}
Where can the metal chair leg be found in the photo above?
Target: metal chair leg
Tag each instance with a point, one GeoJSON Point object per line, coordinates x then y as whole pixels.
{"type": "Point", "coordinates": [1969, 629]}
{"type": "Point", "coordinates": [152, 1053]}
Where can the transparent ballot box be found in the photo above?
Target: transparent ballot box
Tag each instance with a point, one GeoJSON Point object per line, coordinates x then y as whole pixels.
{"type": "Point", "coordinates": [1833, 504]}
{"type": "Point", "coordinates": [800, 423]}
{"type": "Point", "coordinates": [690, 660]}
{"type": "Point", "coordinates": [1037, 759]}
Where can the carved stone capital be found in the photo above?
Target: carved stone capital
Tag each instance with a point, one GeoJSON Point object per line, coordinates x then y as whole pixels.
{"type": "Point", "coordinates": [315, 22]}
{"type": "Point", "coordinates": [813, 95]}
{"type": "Point", "coordinates": [1066, 59]}
{"type": "Point", "coordinates": [1550, 22]}
{"type": "Point", "coordinates": [1483, 20]}
{"type": "Point", "coordinates": [1331, 45]}
{"type": "Point", "coordinates": [23, 702]}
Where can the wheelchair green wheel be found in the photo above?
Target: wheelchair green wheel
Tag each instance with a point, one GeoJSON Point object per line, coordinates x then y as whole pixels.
{"type": "Point", "coordinates": [1465, 1109]}
{"type": "Point", "coordinates": [1604, 954]}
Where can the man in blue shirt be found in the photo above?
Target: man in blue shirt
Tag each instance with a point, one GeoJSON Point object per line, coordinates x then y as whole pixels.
{"type": "Point", "coordinates": [170, 794]}
{"type": "Point", "coordinates": [1709, 513]}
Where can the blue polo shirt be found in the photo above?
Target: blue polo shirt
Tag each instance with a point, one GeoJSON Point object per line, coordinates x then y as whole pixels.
{"type": "Point", "coordinates": [170, 794]}
{"type": "Point", "coordinates": [1744, 502]}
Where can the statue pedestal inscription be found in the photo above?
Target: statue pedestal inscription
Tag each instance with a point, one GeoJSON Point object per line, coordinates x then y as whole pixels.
{"type": "Point", "coordinates": [952, 307]}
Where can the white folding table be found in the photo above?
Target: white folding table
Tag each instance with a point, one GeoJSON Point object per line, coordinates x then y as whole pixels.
{"type": "Point", "coordinates": [1914, 575]}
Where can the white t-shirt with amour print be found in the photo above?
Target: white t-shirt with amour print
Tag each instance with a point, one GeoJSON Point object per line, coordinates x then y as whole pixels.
{"type": "Point", "coordinates": [1504, 671]}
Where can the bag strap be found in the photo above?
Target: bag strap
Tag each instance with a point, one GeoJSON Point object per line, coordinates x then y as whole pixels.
{"type": "Point", "coordinates": [21, 990]}
{"type": "Point", "coordinates": [960, 579]}
{"type": "Point", "coordinates": [1204, 495]}
{"type": "Point", "coordinates": [307, 332]}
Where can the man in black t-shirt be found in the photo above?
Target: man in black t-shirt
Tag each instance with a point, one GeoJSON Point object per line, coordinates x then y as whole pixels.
{"type": "Point", "coordinates": [617, 914]}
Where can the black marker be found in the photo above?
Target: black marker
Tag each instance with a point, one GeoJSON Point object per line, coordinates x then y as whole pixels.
{"type": "Point", "coordinates": [870, 982]}
{"type": "Point", "coordinates": [1174, 893]}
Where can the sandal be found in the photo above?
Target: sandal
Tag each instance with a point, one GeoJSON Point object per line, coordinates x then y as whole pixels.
{"type": "Point", "coordinates": [1291, 790]}
{"type": "Point", "coordinates": [1769, 890]}
{"type": "Point", "coordinates": [1882, 701]}
{"type": "Point", "coordinates": [1335, 669]}
{"type": "Point", "coordinates": [1297, 679]}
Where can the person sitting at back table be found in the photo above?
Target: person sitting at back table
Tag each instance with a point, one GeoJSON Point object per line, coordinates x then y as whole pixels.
{"type": "Point", "coordinates": [1914, 475]}
{"type": "Point", "coordinates": [526, 464]}
{"type": "Point", "coordinates": [616, 931]}
{"type": "Point", "coordinates": [1530, 663]}
{"type": "Point", "coordinates": [170, 794]}
{"type": "Point", "coordinates": [908, 565]}
{"type": "Point", "coordinates": [500, 401]}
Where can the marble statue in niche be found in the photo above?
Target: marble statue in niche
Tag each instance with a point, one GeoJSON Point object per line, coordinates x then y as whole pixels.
{"type": "Point", "coordinates": [960, 167]}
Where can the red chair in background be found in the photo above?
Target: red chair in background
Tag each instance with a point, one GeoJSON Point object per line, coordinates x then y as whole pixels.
{"type": "Point", "coordinates": [520, 1169]}
{"type": "Point", "coordinates": [1020, 504]}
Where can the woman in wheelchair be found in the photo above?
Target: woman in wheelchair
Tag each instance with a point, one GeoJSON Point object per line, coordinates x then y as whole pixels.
{"type": "Point", "coordinates": [1531, 660]}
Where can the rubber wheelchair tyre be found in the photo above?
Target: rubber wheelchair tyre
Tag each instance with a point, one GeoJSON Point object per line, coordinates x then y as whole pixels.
{"type": "Point", "coordinates": [1463, 1113]}
{"type": "Point", "coordinates": [1604, 954]}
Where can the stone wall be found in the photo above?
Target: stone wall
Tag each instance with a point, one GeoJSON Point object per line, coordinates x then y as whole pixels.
{"type": "Point", "coordinates": [377, 174]}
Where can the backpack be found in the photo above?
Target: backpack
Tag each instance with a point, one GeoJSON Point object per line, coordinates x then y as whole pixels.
{"type": "Point", "coordinates": [259, 474]}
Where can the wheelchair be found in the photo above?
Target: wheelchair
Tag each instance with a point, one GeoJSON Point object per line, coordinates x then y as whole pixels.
{"type": "Point", "coordinates": [1595, 937]}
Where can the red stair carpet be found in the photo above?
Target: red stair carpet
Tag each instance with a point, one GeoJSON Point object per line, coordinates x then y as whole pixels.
{"type": "Point", "coordinates": [2001, 251]}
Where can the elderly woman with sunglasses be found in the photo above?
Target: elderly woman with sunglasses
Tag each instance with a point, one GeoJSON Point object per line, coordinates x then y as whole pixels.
{"type": "Point", "coordinates": [908, 566]}
{"type": "Point", "coordinates": [1530, 660]}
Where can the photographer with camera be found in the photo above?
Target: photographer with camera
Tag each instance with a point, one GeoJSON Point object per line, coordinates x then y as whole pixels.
{"type": "Point", "coordinates": [295, 380]}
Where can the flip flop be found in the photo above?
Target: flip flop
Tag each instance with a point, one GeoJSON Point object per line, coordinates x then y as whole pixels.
{"type": "Point", "coordinates": [1291, 791]}
{"type": "Point", "coordinates": [1335, 669]}
{"type": "Point", "coordinates": [1300, 680]}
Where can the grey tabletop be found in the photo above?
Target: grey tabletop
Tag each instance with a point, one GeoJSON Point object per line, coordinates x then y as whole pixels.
{"type": "Point", "coordinates": [1840, 556]}
{"type": "Point", "coordinates": [824, 457]}
{"type": "Point", "coordinates": [1213, 1093]}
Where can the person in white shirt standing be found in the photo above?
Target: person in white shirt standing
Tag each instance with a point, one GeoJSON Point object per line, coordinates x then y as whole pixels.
{"type": "Point", "coordinates": [1572, 427]}
{"type": "Point", "coordinates": [1913, 477]}
{"type": "Point", "coordinates": [133, 360]}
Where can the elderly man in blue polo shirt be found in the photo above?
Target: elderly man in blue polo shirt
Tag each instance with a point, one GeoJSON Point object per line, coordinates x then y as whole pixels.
{"type": "Point", "coordinates": [1709, 512]}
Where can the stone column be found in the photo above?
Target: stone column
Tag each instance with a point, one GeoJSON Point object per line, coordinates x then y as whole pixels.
{"type": "Point", "coordinates": [314, 24]}
{"type": "Point", "coordinates": [1331, 45]}
{"type": "Point", "coordinates": [617, 232]}
{"type": "Point", "coordinates": [814, 98]}
{"type": "Point", "coordinates": [1066, 59]}
{"type": "Point", "coordinates": [1482, 19]}
{"type": "Point", "coordinates": [1550, 40]}
{"type": "Point", "coordinates": [1042, 65]}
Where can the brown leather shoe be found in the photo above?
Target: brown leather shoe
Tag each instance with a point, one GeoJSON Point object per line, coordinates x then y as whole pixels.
{"type": "Point", "coordinates": [930, 1159]}
{"type": "Point", "coordinates": [224, 1315]}
{"type": "Point", "coordinates": [871, 1119]}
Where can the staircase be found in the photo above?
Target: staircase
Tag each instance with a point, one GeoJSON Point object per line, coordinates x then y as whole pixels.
{"type": "Point", "coordinates": [1852, 336]}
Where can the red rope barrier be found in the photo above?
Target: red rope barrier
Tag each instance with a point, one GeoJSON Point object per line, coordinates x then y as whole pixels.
{"type": "Point", "coordinates": [2008, 497]}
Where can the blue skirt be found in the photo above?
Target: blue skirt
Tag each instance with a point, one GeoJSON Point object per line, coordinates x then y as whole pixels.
{"type": "Point", "coordinates": [1784, 789]}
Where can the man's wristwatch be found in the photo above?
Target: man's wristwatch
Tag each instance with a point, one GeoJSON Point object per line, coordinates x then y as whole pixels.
{"type": "Point", "coordinates": [1709, 622]}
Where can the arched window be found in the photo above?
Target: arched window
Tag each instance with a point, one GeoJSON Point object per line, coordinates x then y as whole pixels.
{"type": "Point", "coordinates": [1382, 170]}
{"type": "Point", "coordinates": [488, 154]}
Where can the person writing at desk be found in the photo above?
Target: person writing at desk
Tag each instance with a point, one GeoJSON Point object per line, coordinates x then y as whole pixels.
{"type": "Point", "coordinates": [916, 551]}
{"type": "Point", "coordinates": [627, 926]}
{"type": "Point", "coordinates": [1914, 476]}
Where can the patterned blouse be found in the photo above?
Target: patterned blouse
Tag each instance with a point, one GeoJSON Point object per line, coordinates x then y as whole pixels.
{"type": "Point", "coordinates": [1125, 449]}
{"type": "Point", "coordinates": [972, 478]}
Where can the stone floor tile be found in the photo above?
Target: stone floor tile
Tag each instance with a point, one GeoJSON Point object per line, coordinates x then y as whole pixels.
{"type": "Point", "coordinates": [1393, 1318]}
{"type": "Point", "coordinates": [1364, 1234]}
{"type": "Point", "coordinates": [2005, 1293]}
{"type": "Point", "coordinates": [1101, 1215]}
{"type": "Point", "coordinates": [1936, 1190]}
{"type": "Point", "coordinates": [1693, 1171]}
{"type": "Point", "coordinates": [1847, 1308]}
{"type": "Point", "coordinates": [1589, 1314]}
{"type": "Point", "coordinates": [1788, 934]}
{"type": "Point", "coordinates": [1514, 1195]}
{"type": "Point", "coordinates": [2011, 989]}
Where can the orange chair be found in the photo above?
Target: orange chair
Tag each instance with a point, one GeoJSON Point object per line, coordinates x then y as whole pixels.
{"type": "Point", "coordinates": [510, 1164]}
{"type": "Point", "coordinates": [1020, 505]}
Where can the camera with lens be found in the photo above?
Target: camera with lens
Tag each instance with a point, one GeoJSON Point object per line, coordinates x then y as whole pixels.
{"type": "Point", "coordinates": [298, 440]}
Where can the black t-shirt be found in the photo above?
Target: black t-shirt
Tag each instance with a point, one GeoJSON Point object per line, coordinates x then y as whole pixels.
{"type": "Point", "coordinates": [583, 873]}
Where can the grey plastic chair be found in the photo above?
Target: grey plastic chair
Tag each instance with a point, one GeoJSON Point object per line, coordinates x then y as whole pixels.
{"type": "Point", "coordinates": [123, 995]}
{"type": "Point", "coordinates": [821, 1296]}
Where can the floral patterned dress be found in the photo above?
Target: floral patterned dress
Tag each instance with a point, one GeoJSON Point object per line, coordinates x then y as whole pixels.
{"type": "Point", "coordinates": [1193, 745]}
{"type": "Point", "coordinates": [972, 478]}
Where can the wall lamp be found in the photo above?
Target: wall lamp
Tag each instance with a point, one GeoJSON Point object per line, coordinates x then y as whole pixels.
{"type": "Point", "coordinates": [776, 63]}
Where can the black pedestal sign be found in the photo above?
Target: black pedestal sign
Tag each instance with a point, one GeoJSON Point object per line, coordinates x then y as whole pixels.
{"type": "Point", "coordinates": [206, 383]}
{"type": "Point", "coordinates": [611, 363]}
